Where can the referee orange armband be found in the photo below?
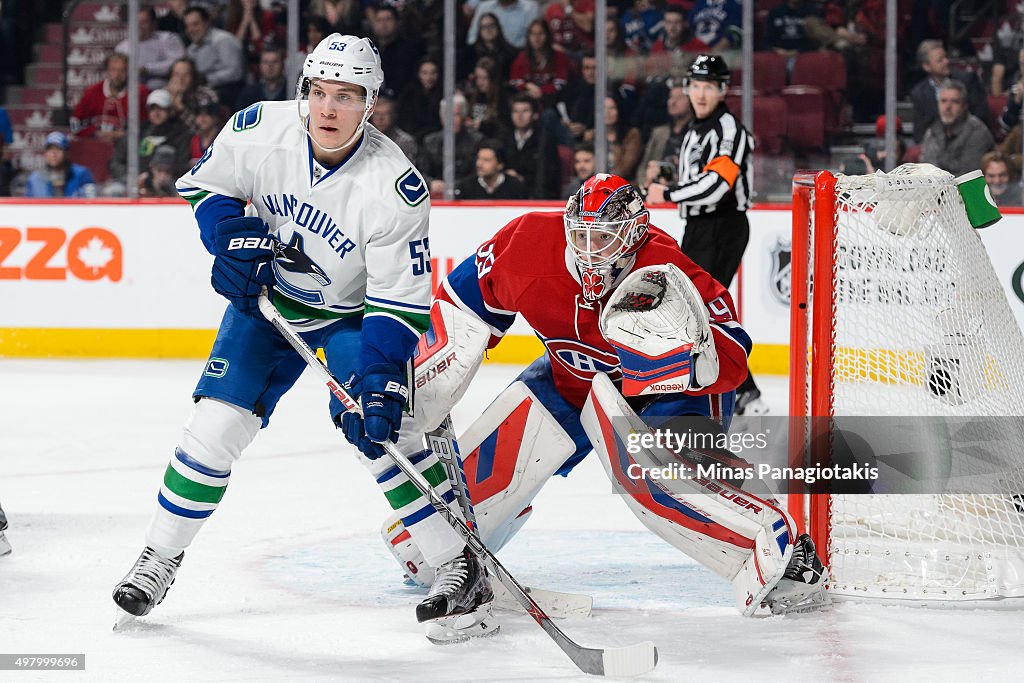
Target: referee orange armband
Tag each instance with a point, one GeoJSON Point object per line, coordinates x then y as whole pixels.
{"type": "Point", "coordinates": [725, 167]}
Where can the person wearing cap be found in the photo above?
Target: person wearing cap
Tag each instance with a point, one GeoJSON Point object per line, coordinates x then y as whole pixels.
{"type": "Point", "coordinates": [162, 127]}
{"type": "Point", "coordinates": [714, 188]}
{"type": "Point", "coordinates": [59, 177]}
{"type": "Point", "coordinates": [158, 181]}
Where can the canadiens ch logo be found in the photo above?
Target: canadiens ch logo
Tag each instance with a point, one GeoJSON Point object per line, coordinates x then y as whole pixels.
{"type": "Point", "coordinates": [582, 361]}
{"type": "Point", "coordinates": [782, 265]}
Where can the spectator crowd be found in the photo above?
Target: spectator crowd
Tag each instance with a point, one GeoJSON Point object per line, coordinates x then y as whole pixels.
{"type": "Point", "coordinates": [524, 109]}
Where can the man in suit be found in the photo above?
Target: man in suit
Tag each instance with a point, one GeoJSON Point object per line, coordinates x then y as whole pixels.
{"type": "Point", "coordinates": [925, 95]}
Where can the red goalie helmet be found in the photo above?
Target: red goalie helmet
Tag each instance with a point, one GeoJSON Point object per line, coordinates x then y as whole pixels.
{"type": "Point", "coordinates": [604, 221]}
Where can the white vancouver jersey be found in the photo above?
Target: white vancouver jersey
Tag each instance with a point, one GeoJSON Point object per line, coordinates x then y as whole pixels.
{"type": "Point", "coordinates": [354, 236]}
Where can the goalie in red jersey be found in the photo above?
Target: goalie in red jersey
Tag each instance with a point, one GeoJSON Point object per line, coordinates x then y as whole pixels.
{"type": "Point", "coordinates": [632, 329]}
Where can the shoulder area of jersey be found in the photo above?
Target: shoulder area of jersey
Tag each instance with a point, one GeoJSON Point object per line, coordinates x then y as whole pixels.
{"type": "Point", "coordinates": [387, 163]}
{"type": "Point", "coordinates": [265, 122]}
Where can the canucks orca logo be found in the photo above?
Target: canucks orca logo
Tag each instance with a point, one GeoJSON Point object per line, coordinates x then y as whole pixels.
{"type": "Point", "coordinates": [292, 265]}
{"type": "Point", "coordinates": [292, 258]}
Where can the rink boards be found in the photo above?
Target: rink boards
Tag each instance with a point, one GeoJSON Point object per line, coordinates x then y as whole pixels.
{"type": "Point", "coordinates": [131, 279]}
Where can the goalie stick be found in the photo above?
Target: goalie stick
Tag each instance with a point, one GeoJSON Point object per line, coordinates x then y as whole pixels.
{"type": "Point", "coordinates": [443, 443]}
{"type": "Point", "coordinates": [629, 660]}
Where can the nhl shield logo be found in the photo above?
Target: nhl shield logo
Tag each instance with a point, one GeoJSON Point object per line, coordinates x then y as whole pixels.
{"type": "Point", "coordinates": [780, 281]}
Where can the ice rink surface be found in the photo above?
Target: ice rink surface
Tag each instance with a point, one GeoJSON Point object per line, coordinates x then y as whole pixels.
{"type": "Point", "coordinates": [289, 580]}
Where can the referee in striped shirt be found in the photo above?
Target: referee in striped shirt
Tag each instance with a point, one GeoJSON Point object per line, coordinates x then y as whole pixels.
{"type": "Point", "coordinates": [714, 189]}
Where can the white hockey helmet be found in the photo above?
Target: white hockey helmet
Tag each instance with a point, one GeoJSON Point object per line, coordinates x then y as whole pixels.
{"type": "Point", "coordinates": [347, 59]}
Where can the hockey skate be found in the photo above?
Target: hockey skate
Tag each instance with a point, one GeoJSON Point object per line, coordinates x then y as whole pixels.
{"type": "Point", "coordinates": [5, 546]}
{"type": "Point", "coordinates": [803, 587]}
{"type": "Point", "coordinates": [458, 606]}
{"type": "Point", "coordinates": [750, 403]}
{"type": "Point", "coordinates": [145, 586]}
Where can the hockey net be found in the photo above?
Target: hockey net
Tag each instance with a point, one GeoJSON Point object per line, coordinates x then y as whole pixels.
{"type": "Point", "coordinates": [906, 318]}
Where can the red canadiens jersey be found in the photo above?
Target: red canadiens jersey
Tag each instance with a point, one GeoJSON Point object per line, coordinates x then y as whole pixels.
{"type": "Point", "coordinates": [526, 269]}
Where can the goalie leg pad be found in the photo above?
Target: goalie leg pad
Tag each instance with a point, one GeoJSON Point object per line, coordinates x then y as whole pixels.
{"type": "Point", "coordinates": [197, 476]}
{"type": "Point", "coordinates": [446, 360]}
{"type": "Point", "coordinates": [739, 536]}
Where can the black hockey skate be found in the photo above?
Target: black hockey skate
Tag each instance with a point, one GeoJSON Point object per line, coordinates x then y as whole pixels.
{"type": "Point", "coordinates": [145, 586]}
{"type": "Point", "coordinates": [802, 587]}
{"type": "Point", "coordinates": [458, 606]}
{"type": "Point", "coordinates": [5, 547]}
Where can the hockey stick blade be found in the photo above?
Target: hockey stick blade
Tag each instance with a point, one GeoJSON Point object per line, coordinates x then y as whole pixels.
{"type": "Point", "coordinates": [557, 605]}
{"type": "Point", "coordinates": [624, 661]}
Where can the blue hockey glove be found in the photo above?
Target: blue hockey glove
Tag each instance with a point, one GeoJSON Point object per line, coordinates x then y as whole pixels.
{"type": "Point", "coordinates": [382, 394]}
{"type": "Point", "coordinates": [242, 262]}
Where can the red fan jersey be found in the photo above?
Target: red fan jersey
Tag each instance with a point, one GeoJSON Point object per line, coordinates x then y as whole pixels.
{"type": "Point", "coordinates": [526, 269]}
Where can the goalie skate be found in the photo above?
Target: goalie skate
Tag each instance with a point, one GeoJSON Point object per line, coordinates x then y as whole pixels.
{"type": "Point", "coordinates": [459, 601]}
{"type": "Point", "coordinates": [145, 585]}
{"type": "Point", "coordinates": [803, 587]}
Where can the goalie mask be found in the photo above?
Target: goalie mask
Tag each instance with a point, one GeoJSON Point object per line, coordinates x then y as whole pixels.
{"type": "Point", "coordinates": [605, 221]}
{"type": "Point", "coordinates": [343, 59]}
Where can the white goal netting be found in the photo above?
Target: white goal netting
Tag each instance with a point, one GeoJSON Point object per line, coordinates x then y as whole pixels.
{"type": "Point", "coordinates": [922, 329]}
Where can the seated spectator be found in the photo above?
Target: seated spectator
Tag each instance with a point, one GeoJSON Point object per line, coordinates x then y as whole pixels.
{"type": "Point", "coordinates": [1014, 90]}
{"type": "Point", "coordinates": [572, 25]}
{"type": "Point", "coordinates": [623, 63]}
{"type": "Point", "coordinates": [158, 179]}
{"type": "Point", "coordinates": [583, 166]}
{"type": "Point", "coordinates": [641, 25]}
{"type": "Point", "coordinates": [785, 28]}
{"type": "Point", "coordinates": [540, 71]}
{"type": "Point", "coordinates": [957, 140]}
{"type": "Point", "coordinates": [716, 23]}
{"type": "Point", "coordinates": [530, 154]}
{"type": "Point", "coordinates": [157, 50]}
{"type": "Point", "coordinates": [1004, 188]}
{"type": "Point", "coordinates": [666, 140]}
{"type": "Point", "coordinates": [161, 128]}
{"type": "Point", "coordinates": [103, 109]}
{"type": "Point", "coordinates": [492, 43]}
{"type": "Point", "coordinates": [347, 17]}
{"type": "Point", "coordinates": [624, 143]}
{"type": "Point", "coordinates": [6, 170]}
{"type": "Point", "coordinates": [1007, 42]}
{"type": "Point", "coordinates": [924, 96]}
{"type": "Point", "coordinates": [217, 54]}
{"type": "Point", "coordinates": [399, 54]}
{"type": "Point", "coordinates": [421, 100]}
{"type": "Point", "coordinates": [59, 177]}
{"type": "Point", "coordinates": [513, 15]}
{"type": "Point", "coordinates": [488, 102]}
{"type": "Point", "coordinates": [578, 99]}
{"type": "Point", "coordinates": [173, 20]}
{"type": "Point", "coordinates": [672, 50]}
{"type": "Point", "coordinates": [255, 28]}
{"type": "Point", "coordinates": [490, 181]}
{"type": "Point", "coordinates": [208, 122]}
{"type": "Point", "coordinates": [874, 149]}
{"type": "Point", "coordinates": [187, 91]}
{"type": "Point", "coordinates": [272, 85]}
{"type": "Point", "coordinates": [384, 119]}
{"type": "Point", "coordinates": [655, 171]}
{"type": "Point", "coordinates": [430, 158]}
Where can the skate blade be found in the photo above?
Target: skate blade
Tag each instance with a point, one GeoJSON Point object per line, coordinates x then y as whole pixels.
{"type": "Point", "coordinates": [817, 601]}
{"type": "Point", "coordinates": [5, 546]}
{"type": "Point", "coordinates": [458, 629]}
{"type": "Point", "coordinates": [122, 619]}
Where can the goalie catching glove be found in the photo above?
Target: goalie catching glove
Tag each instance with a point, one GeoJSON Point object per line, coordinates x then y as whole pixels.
{"type": "Point", "coordinates": [242, 262]}
{"type": "Point", "coordinates": [658, 324]}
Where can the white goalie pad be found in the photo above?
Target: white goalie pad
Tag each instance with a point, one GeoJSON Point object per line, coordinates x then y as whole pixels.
{"type": "Point", "coordinates": [508, 454]}
{"type": "Point", "coordinates": [658, 324]}
{"type": "Point", "coordinates": [446, 360]}
{"type": "Point", "coordinates": [738, 535]}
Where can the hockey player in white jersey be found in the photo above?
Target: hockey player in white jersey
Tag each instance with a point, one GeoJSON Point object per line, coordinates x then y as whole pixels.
{"type": "Point", "coordinates": [336, 229]}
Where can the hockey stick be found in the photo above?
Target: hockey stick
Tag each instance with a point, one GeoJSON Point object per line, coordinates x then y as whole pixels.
{"type": "Point", "coordinates": [630, 660]}
{"type": "Point", "coordinates": [443, 443]}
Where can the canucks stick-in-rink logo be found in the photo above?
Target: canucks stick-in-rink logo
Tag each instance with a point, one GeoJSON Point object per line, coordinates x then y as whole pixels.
{"type": "Point", "coordinates": [782, 265]}
{"type": "Point", "coordinates": [293, 268]}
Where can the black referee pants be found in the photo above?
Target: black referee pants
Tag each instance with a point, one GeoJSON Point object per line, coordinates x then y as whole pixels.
{"type": "Point", "coordinates": [716, 243]}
